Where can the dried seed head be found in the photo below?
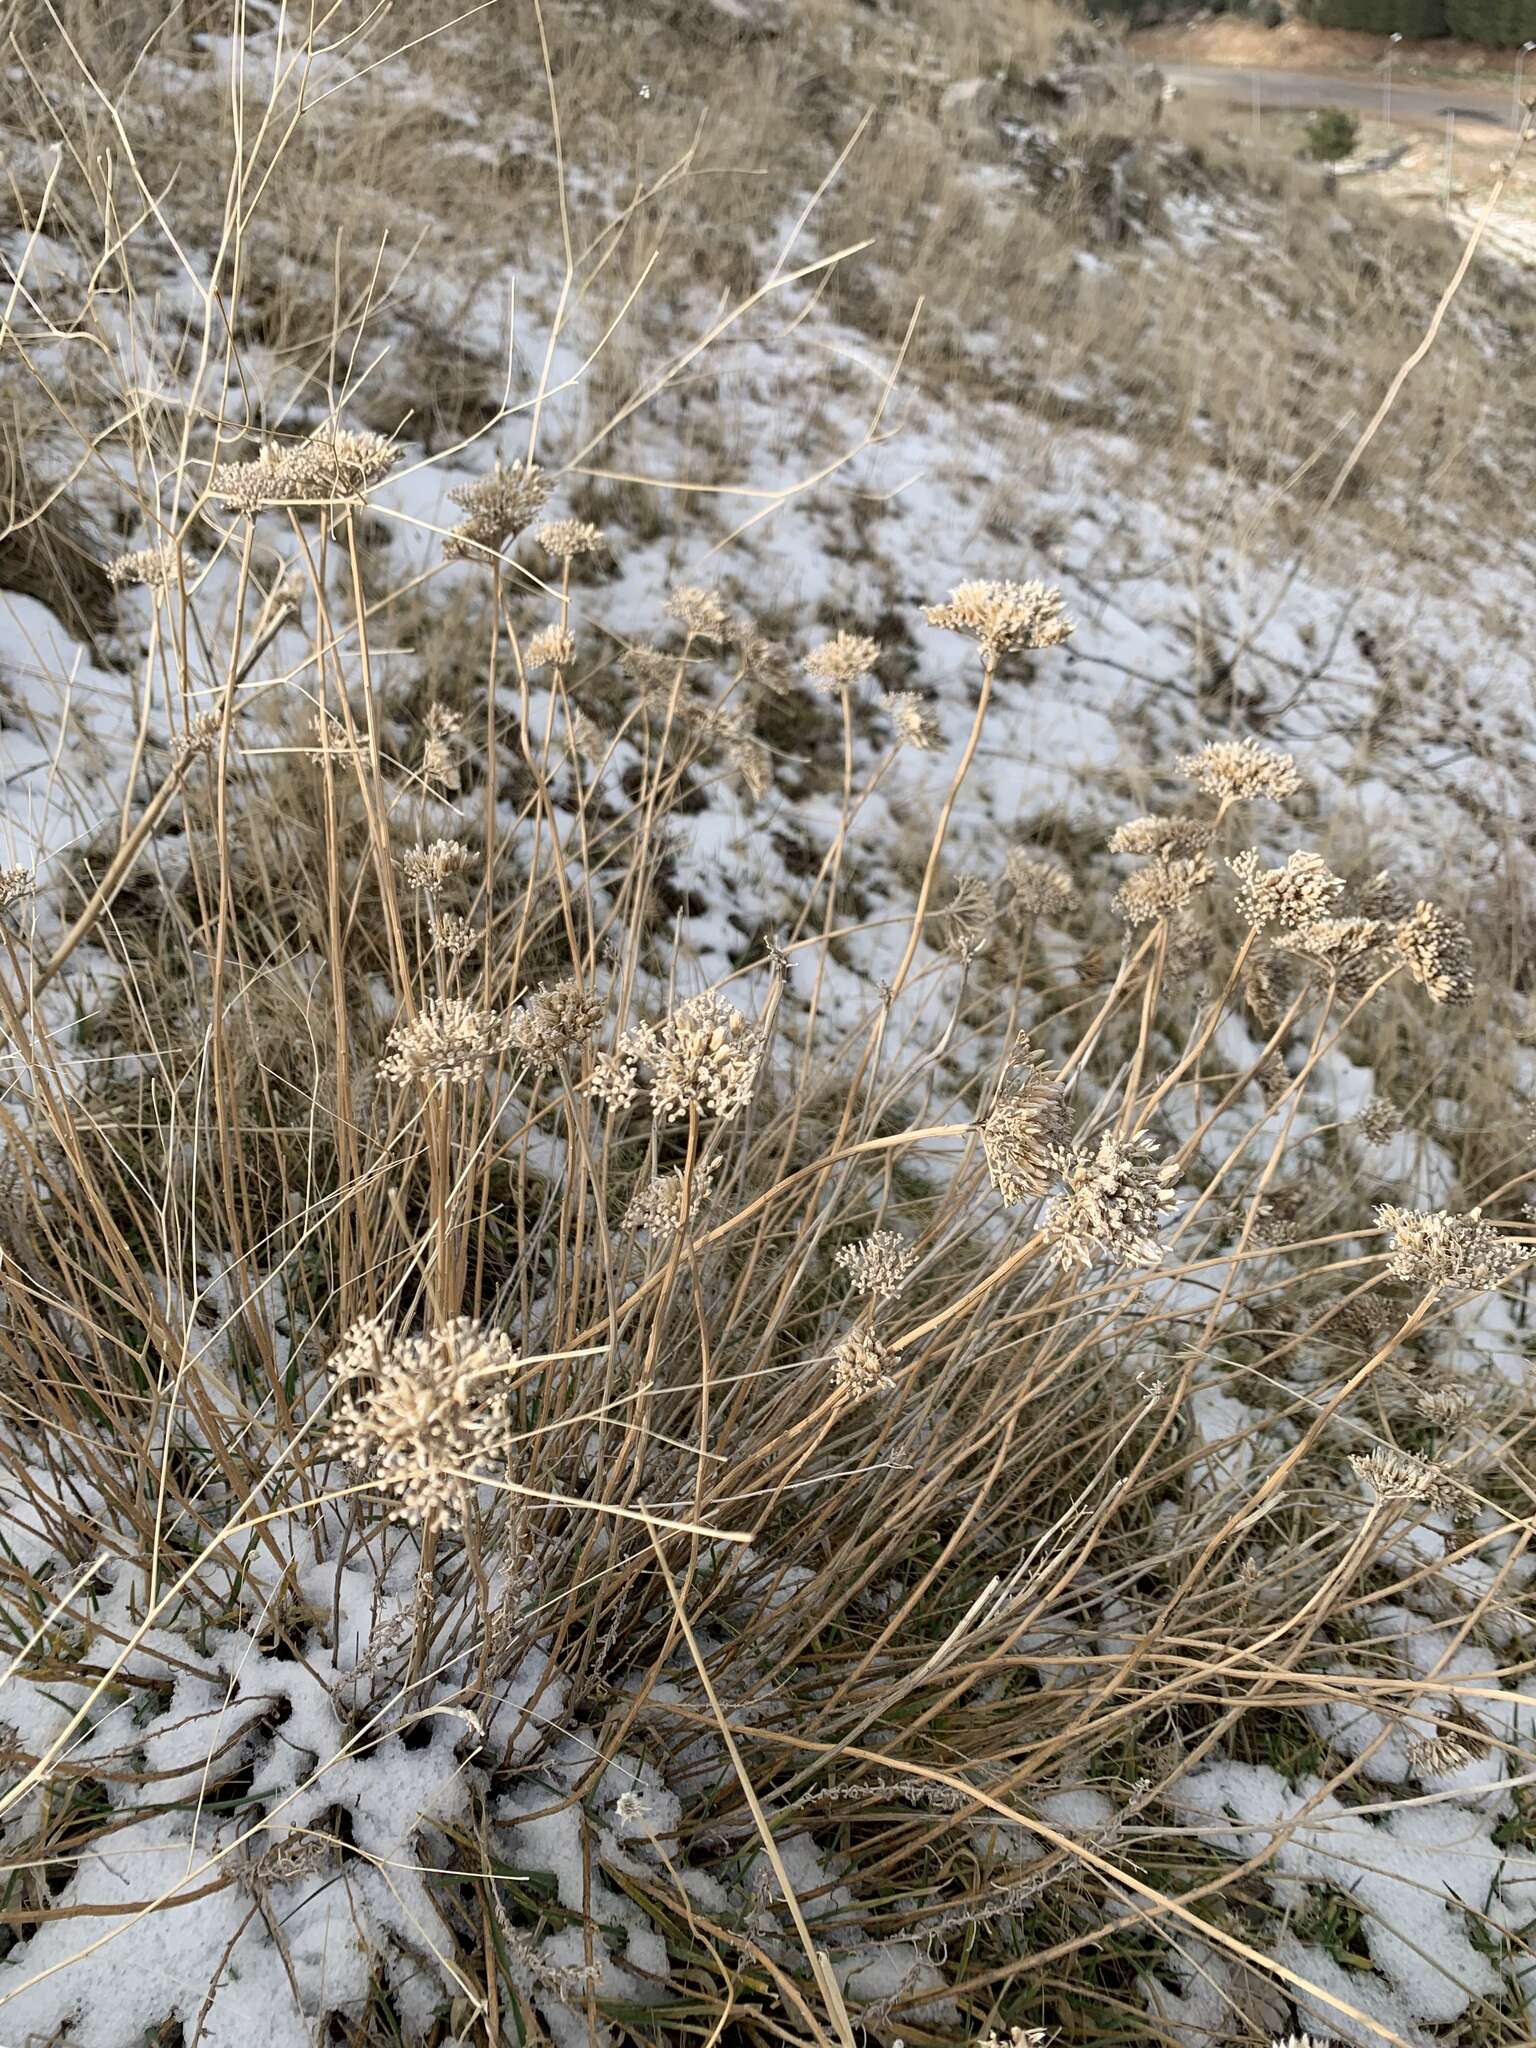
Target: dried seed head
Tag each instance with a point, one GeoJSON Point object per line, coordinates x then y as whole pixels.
{"type": "Point", "coordinates": [155, 568]}
{"type": "Point", "coordinates": [334, 466]}
{"type": "Point", "coordinates": [1297, 895]}
{"type": "Point", "coordinates": [1383, 897]}
{"type": "Point", "coordinates": [705, 1056]}
{"type": "Point", "coordinates": [198, 738]}
{"type": "Point", "coordinates": [841, 662]}
{"type": "Point", "coordinates": [1439, 1253]}
{"type": "Point", "coordinates": [658, 1205]}
{"type": "Point", "coordinates": [1435, 950]}
{"type": "Point", "coordinates": [1338, 942]}
{"type": "Point", "coordinates": [1039, 888]}
{"type": "Point", "coordinates": [1445, 1407]}
{"type": "Point", "coordinates": [552, 1023]}
{"type": "Point", "coordinates": [1380, 1121]}
{"type": "Point", "coordinates": [966, 919]}
{"type": "Point", "coordinates": [16, 885]}
{"type": "Point", "coordinates": [702, 614]}
{"type": "Point", "coordinates": [1025, 1130]}
{"type": "Point", "coordinates": [1235, 771]}
{"type": "Point", "coordinates": [430, 1420]}
{"type": "Point", "coordinates": [912, 724]}
{"type": "Point", "coordinates": [448, 1042]}
{"type": "Point", "coordinates": [1274, 1079]}
{"type": "Point", "coordinates": [439, 762]}
{"type": "Point", "coordinates": [859, 1364]}
{"type": "Point", "coordinates": [1115, 1199]}
{"type": "Point", "coordinates": [1003, 617]}
{"type": "Point", "coordinates": [330, 735]}
{"type": "Point", "coordinates": [550, 647]}
{"type": "Point", "coordinates": [455, 934]}
{"type": "Point", "coordinates": [1434, 1755]}
{"type": "Point", "coordinates": [1393, 1475]}
{"type": "Point", "coordinates": [878, 1265]}
{"type": "Point", "coordinates": [430, 868]}
{"type": "Point", "coordinates": [565, 539]}
{"type": "Point", "coordinates": [1163, 888]}
{"type": "Point", "coordinates": [1266, 984]}
{"type": "Point", "coordinates": [586, 736]}
{"type": "Point", "coordinates": [496, 508]}
{"type": "Point", "coordinates": [1161, 838]}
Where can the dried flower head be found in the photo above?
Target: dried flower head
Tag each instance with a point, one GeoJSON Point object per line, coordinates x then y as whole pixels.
{"type": "Point", "coordinates": [912, 724]}
{"type": "Point", "coordinates": [16, 885]}
{"type": "Point", "coordinates": [1160, 838]}
{"type": "Point", "coordinates": [1445, 1407]}
{"type": "Point", "coordinates": [552, 1023]}
{"type": "Point", "coordinates": [1383, 897]}
{"type": "Point", "coordinates": [336, 465]}
{"type": "Point", "coordinates": [1435, 950]}
{"type": "Point", "coordinates": [586, 736]}
{"type": "Point", "coordinates": [966, 919]}
{"type": "Point", "coordinates": [1380, 1120]}
{"type": "Point", "coordinates": [1003, 617]}
{"type": "Point", "coordinates": [1025, 1130]}
{"type": "Point", "coordinates": [455, 934]}
{"type": "Point", "coordinates": [702, 614]}
{"type": "Point", "coordinates": [550, 647]}
{"type": "Point", "coordinates": [198, 738]}
{"type": "Point", "coordinates": [1394, 1475]}
{"type": "Point", "coordinates": [859, 1366]}
{"type": "Point", "coordinates": [430, 868]}
{"type": "Point", "coordinates": [331, 736]}
{"type": "Point", "coordinates": [449, 1041]}
{"type": "Point", "coordinates": [1016, 2037]}
{"type": "Point", "coordinates": [1438, 1253]}
{"type": "Point", "coordinates": [1296, 895]}
{"type": "Point", "coordinates": [1162, 889]}
{"type": "Point", "coordinates": [658, 1206]}
{"type": "Point", "coordinates": [705, 1056]}
{"type": "Point", "coordinates": [841, 662]}
{"type": "Point", "coordinates": [496, 508]}
{"type": "Point", "coordinates": [565, 539]}
{"type": "Point", "coordinates": [1338, 942]}
{"type": "Point", "coordinates": [1235, 771]}
{"type": "Point", "coordinates": [156, 568]}
{"type": "Point", "coordinates": [878, 1265]}
{"type": "Point", "coordinates": [749, 759]}
{"type": "Point", "coordinates": [1434, 1755]}
{"type": "Point", "coordinates": [422, 1416]}
{"type": "Point", "coordinates": [1115, 1199]}
{"type": "Point", "coordinates": [1038, 888]}
{"type": "Point", "coordinates": [439, 762]}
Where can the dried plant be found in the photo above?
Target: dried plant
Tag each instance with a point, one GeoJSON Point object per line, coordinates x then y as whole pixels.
{"type": "Point", "coordinates": [1298, 895]}
{"type": "Point", "coordinates": [878, 1265]}
{"type": "Point", "coordinates": [860, 1366]}
{"type": "Point", "coordinates": [1434, 949]}
{"type": "Point", "coordinates": [496, 508]}
{"type": "Point", "coordinates": [839, 663]}
{"type": "Point", "coordinates": [1003, 618]}
{"type": "Point", "coordinates": [423, 1418]}
{"type": "Point", "coordinates": [1436, 1252]}
{"type": "Point", "coordinates": [1237, 771]}
{"type": "Point", "coordinates": [912, 724]}
{"type": "Point", "coordinates": [1114, 1201]}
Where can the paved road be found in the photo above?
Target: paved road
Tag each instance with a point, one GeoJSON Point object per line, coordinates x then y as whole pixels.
{"type": "Point", "coordinates": [1414, 104]}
